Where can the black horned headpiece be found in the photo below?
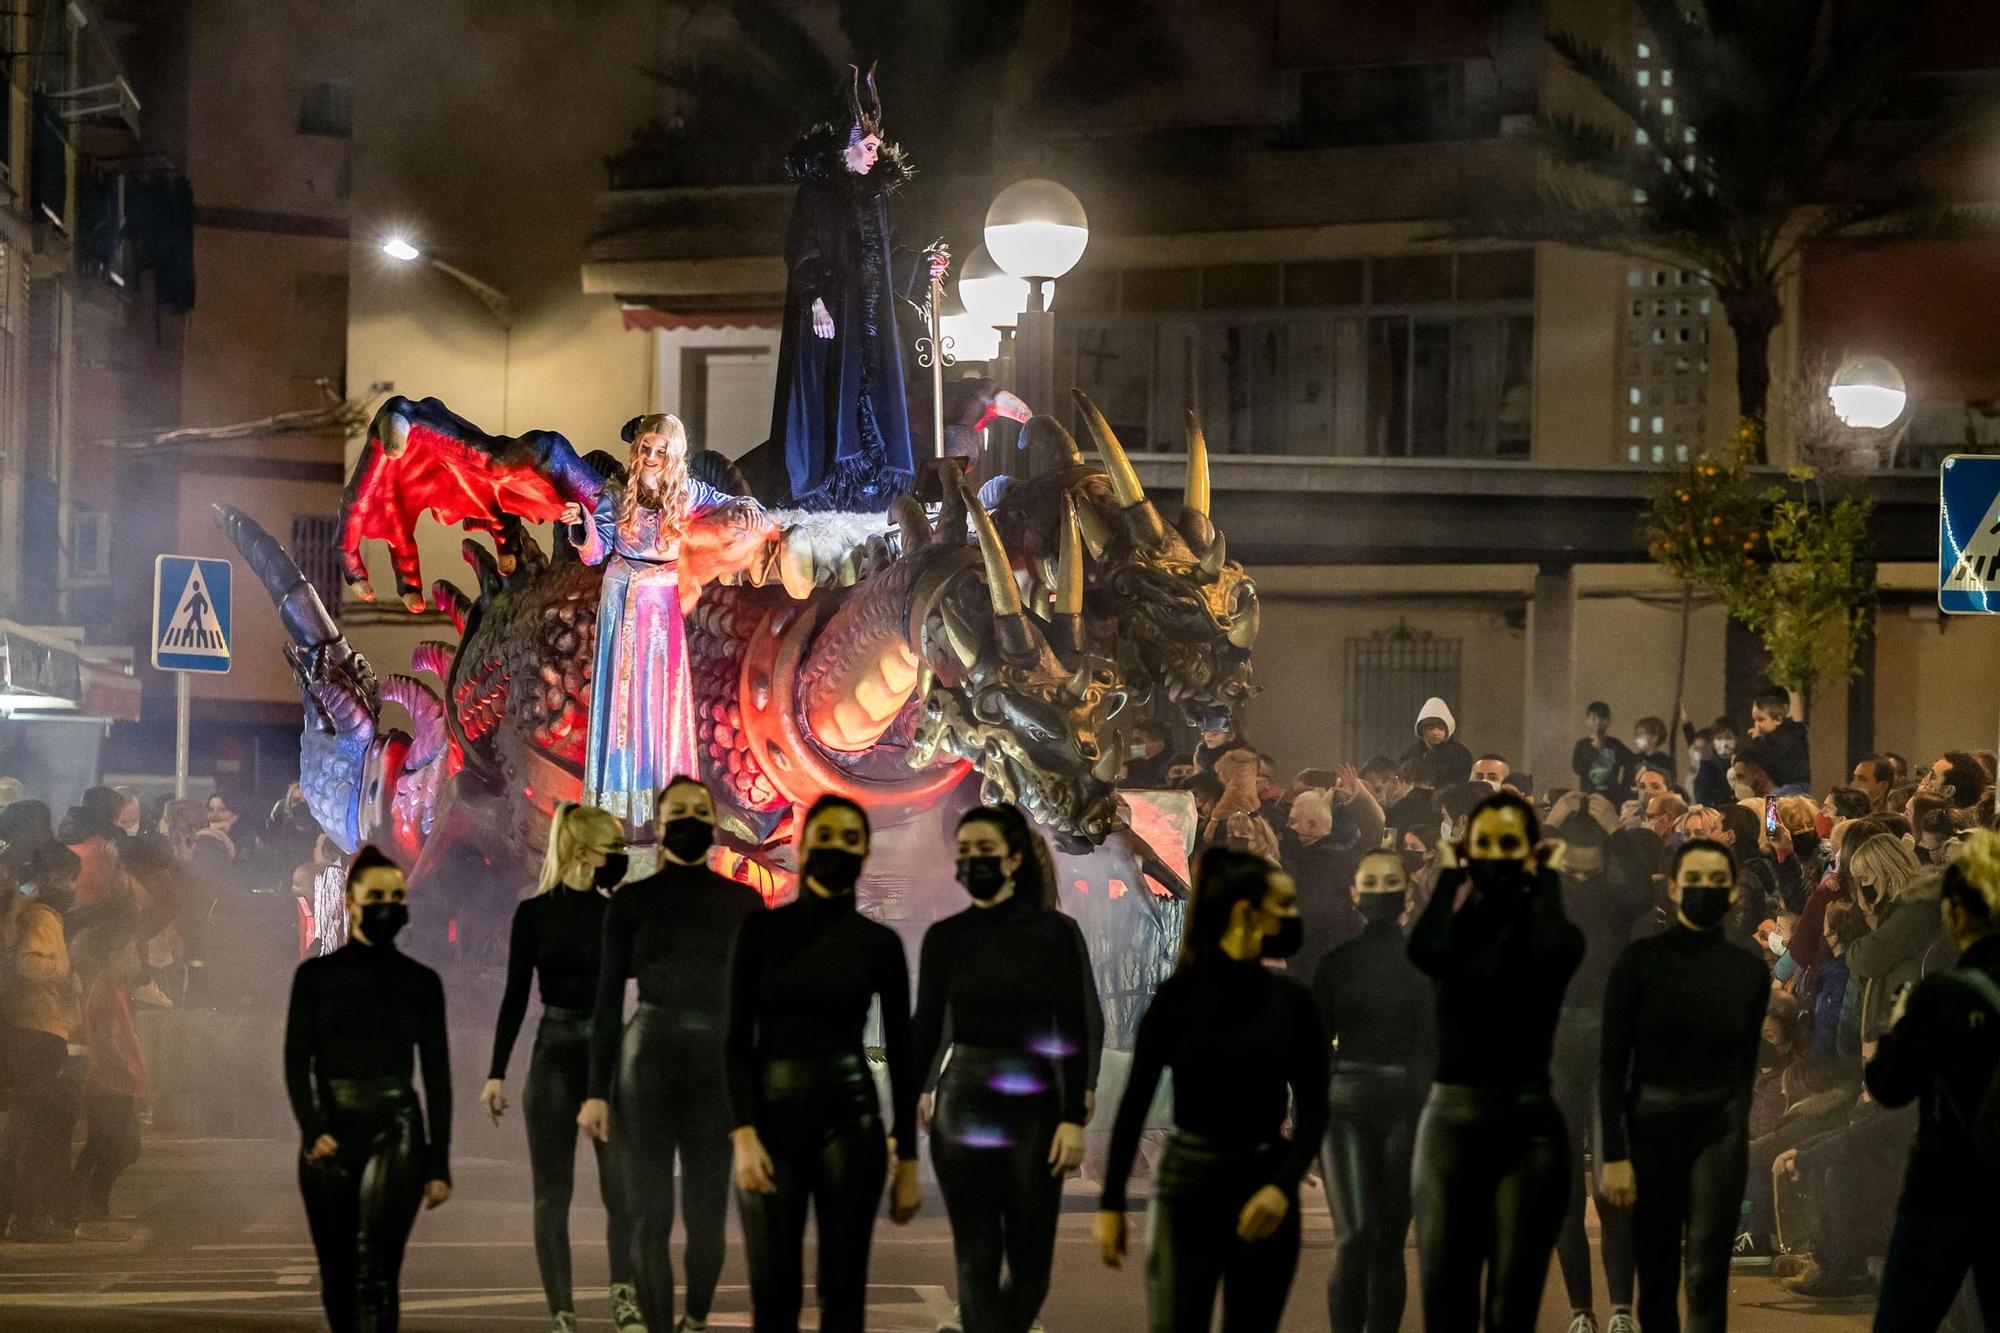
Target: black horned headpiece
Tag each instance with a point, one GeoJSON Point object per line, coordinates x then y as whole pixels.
{"type": "Point", "coordinates": [864, 103]}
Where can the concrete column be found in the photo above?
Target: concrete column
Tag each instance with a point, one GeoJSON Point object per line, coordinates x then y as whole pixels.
{"type": "Point", "coordinates": [1551, 684]}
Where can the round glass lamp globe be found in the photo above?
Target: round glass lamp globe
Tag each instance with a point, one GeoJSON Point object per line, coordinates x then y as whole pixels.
{"type": "Point", "coordinates": [970, 339]}
{"type": "Point", "coordinates": [1036, 229]}
{"type": "Point", "coordinates": [1868, 393]}
{"type": "Point", "coordinates": [992, 296]}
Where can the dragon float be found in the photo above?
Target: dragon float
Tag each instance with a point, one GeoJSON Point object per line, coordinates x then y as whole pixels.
{"type": "Point", "coordinates": [893, 660]}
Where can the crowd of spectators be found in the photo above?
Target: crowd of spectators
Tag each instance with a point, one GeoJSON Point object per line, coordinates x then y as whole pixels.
{"type": "Point", "coordinates": [111, 911]}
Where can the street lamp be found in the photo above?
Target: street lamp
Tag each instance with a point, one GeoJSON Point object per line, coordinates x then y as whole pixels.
{"type": "Point", "coordinates": [1868, 393]}
{"type": "Point", "coordinates": [400, 249]}
{"type": "Point", "coordinates": [993, 297]}
{"type": "Point", "coordinates": [1035, 233]}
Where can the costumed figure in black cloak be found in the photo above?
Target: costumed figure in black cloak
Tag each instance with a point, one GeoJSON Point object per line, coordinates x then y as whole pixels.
{"type": "Point", "coordinates": [840, 414]}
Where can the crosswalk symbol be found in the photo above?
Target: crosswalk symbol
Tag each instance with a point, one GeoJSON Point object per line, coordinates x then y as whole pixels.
{"type": "Point", "coordinates": [190, 614]}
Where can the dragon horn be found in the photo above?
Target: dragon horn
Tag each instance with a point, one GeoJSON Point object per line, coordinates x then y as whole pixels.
{"type": "Point", "coordinates": [1069, 578]}
{"type": "Point", "coordinates": [1142, 520]}
{"type": "Point", "coordinates": [1010, 622]}
{"type": "Point", "coordinates": [426, 712]}
{"type": "Point", "coordinates": [1194, 499]}
{"type": "Point", "coordinates": [305, 617]}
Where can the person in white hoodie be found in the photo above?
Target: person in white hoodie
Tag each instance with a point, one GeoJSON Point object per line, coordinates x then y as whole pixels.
{"type": "Point", "coordinates": [1449, 761]}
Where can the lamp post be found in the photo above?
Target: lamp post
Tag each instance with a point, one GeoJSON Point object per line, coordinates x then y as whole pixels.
{"type": "Point", "coordinates": [1035, 233]}
{"type": "Point", "coordinates": [1868, 393]}
{"type": "Point", "coordinates": [399, 249]}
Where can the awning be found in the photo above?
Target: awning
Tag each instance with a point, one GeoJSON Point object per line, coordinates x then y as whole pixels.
{"type": "Point", "coordinates": [43, 674]}
{"type": "Point", "coordinates": [638, 315]}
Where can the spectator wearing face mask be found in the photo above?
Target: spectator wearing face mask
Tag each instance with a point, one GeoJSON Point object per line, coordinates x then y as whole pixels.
{"type": "Point", "coordinates": [89, 830]}
{"type": "Point", "coordinates": [1418, 804]}
{"type": "Point", "coordinates": [1663, 813]}
{"type": "Point", "coordinates": [1649, 745]}
{"type": "Point", "coordinates": [1219, 736]}
{"type": "Point", "coordinates": [1445, 760]}
{"type": "Point", "coordinates": [1958, 777]}
{"type": "Point", "coordinates": [1323, 871]}
{"type": "Point", "coordinates": [1906, 939]}
{"type": "Point", "coordinates": [1778, 745]}
{"type": "Point", "coordinates": [1711, 751]}
{"type": "Point", "coordinates": [1874, 777]}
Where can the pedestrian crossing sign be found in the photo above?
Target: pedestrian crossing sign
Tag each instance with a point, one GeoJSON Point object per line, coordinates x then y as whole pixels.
{"type": "Point", "coordinates": [190, 613]}
{"type": "Point", "coordinates": [1969, 535]}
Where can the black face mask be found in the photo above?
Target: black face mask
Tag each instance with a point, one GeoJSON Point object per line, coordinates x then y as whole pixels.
{"type": "Point", "coordinates": [1412, 862]}
{"type": "Point", "coordinates": [982, 876]}
{"type": "Point", "coordinates": [688, 838]}
{"type": "Point", "coordinates": [1506, 879]}
{"type": "Point", "coordinates": [612, 873]}
{"type": "Point", "coordinates": [381, 921]}
{"type": "Point", "coordinates": [833, 868]}
{"type": "Point", "coordinates": [1704, 905]}
{"type": "Point", "coordinates": [1291, 933]}
{"type": "Point", "coordinates": [59, 898]}
{"type": "Point", "coordinates": [1382, 906]}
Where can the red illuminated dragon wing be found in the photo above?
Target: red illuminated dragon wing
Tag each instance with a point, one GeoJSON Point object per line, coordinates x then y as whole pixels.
{"type": "Point", "coordinates": [420, 456]}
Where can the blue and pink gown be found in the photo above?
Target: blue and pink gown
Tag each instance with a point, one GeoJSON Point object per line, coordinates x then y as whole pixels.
{"type": "Point", "coordinates": [642, 722]}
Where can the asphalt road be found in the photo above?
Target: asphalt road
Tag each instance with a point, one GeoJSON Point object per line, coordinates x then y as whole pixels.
{"type": "Point", "coordinates": [220, 1244]}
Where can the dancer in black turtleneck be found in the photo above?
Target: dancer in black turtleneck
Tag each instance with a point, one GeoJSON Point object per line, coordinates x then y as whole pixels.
{"type": "Point", "coordinates": [1242, 1041]}
{"type": "Point", "coordinates": [1682, 1015]}
{"type": "Point", "coordinates": [1008, 975]}
{"type": "Point", "coordinates": [662, 1088]}
{"type": "Point", "coordinates": [1376, 1009]}
{"type": "Point", "coordinates": [356, 1016]}
{"type": "Point", "coordinates": [1491, 1173]}
{"type": "Point", "coordinates": [557, 936]}
{"type": "Point", "coordinates": [808, 1129]}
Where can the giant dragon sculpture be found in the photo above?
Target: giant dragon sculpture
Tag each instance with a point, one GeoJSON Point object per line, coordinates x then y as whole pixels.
{"type": "Point", "coordinates": [885, 660]}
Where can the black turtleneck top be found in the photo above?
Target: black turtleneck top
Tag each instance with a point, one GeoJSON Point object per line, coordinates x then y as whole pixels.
{"type": "Point", "coordinates": [1239, 1037]}
{"type": "Point", "coordinates": [799, 989]}
{"type": "Point", "coordinates": [1683, 1010]}
{"type": "Point", "coordinates": [1374, 1003]}
{"type": "Point", "coordinates": [1500, 969]}
{"type": "Point", "coordinates": [358, 1013]}
{"type": "Point", "coordinates": [556, 938]}
{"type": "Point", "coordinates": [1010, 977]}
{"type": "Point", "coordinates": [673, 930]}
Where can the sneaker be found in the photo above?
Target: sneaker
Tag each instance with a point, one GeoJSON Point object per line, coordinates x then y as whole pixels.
{"type": "Point", "coordinates": [1622, 1322]}
{"type": "Point", "coordinates": [688, 1325]}
{"type": "Point", "coordinates": [625, 1316]}
{"type": "Point", "coordinates": [563, 1323]}
{"type": "Point", "coordinates": [45, 1233]}
{"type": "Point", "coordinates": [953, 1324]}
{"type": "Point", "coordinates": [1825, 1284]}
{"type": "Point", "coordinates": [1583, 1321]}
{"type": "Point", "coordinates": [1790, 1265]}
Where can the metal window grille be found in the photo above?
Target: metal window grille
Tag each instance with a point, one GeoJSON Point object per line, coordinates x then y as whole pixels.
{"type": "Point", "coordinates": [315, 549]}
{"type": "Point", "coordinates": [1389, 676]}
{"type": "Point", "coordinates": [325, 109]}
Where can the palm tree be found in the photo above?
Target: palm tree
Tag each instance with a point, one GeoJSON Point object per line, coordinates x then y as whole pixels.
{"type": "Point", "coordinates": [1766, 143]}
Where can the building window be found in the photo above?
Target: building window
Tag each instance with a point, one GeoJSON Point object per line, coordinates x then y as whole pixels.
{"type": "Point", "coordinates": [89, 544]}
{"type": "Point", "coordinates": [316, 551]}
{"type": "Point", "coordinates": [1390, 674]}
{"type": "Point", "coordinates": [1663, 363]}
{"type": "Point", "coordinates": [324, 109]}
{"type": "Point", "coordinates": [1431, 359]}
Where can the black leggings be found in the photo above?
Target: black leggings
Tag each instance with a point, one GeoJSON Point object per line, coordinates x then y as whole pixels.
{"type": "Point", "coordinates": [996, 1116]}
{"type": "Point", "coordinates": [671, 1101]}
{"type": "Point", "coordinates": [1371, 1129]}
{"type": "Point", "coordinates": [1690, 1162]}
{"type": "Point", "coordinates": [362, 1201]}
{"type": "Point", "coordinates": [821, 1124]}
{"type": "Point", "coordinates": [113, 1145]}
{"type": "Point", "coordinates": [1577, 1059]}
{"type": "Point", "coordinates": [1192, 1246]}
{"type": "Point", "coordinates": [34, 1147]}
{"type": "Point", "coordinates": [558, 1082]}
{"type": "Point", "coordinates": [1924, 1272]}
{"type": "Point", "coordinates": [1491, 1180]}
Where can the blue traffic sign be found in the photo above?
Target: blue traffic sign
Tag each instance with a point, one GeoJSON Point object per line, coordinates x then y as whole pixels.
{"type": "Point", "coordinates": [190, 613]}
{"type": "Point", "coordinates": [1969, 535]}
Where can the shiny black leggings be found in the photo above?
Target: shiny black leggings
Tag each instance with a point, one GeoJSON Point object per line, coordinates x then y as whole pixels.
{"type": "Point", "coordinates": [996, 1116]}
{"type": "Point", "coordinates": [362, 1201]}
{"type": "Point", "coordinates": [1690, 1161]}
{"type": "Point", "coordinates": [1577, 1058]}
{"type": "Point", "coordinates": [558, 1082]}
{"type": "Point", "coordinates": [1371, 1129]}
{"type": "Point", "coordinates": [671, 1102]}
{"type": "Point", "coordinates": [1491, 1184]}
{"type": "Point", "coordinates": [821, 1124]}
{"type": "Point", "coordinates": [1192, 1247]}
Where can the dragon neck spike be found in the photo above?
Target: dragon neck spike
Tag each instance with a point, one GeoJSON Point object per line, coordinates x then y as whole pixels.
{"type": "Point", "coordinates": [426, 712]}
{"type": "Point", "coordinates": [1194, 498]}
{"type": "Point", "coordinates": [1069, 561]}
{"type": "Point", "coordinates": [1142, 521]}
{"type": "Point", "coordinates": [1000, 585]}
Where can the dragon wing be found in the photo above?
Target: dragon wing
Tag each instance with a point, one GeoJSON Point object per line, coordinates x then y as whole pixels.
{"type": "Point", "coordinates": [420, 456]}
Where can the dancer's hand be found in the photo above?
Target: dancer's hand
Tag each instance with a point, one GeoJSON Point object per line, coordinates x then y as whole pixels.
{"type": "Point", "coordinates": [1066, 1150]}
{"type": "Point", "coordinates": [1621, 1188]}
{"type": "Point", "coordinates": [436, 1192]}
{"type": "Point", "coordinates": [1261, 1216]}
{"type": "Point", "coordinates": [1786, 1164]}
{"type": "Point", "coordinates": [594, 1119]}
{"type": "Point", "coordinates": [1110, 1232]}
{"type": "Point", "coordinates": [1089, 1105]}
{"type": "Point", "coordinates": [322, 1148]}
{"type": "Point", "coordinates": [753, 1165]}
{"type": "Point", "coordinates": [822, 321]}
{"type": "Point", "coordinates": [572, 513]}
{"type": "Point", "coordinates": [494, 1098]}
{"type": "Point", "coordinates": [905, 1196]}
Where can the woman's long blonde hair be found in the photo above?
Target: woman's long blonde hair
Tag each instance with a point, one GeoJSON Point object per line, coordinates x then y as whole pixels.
{"type": "Point", "coordinates": [572, 828]}
{"type": "Point", "coordinates": [1891, 867]}
{"type": "Point", "coordinates": [672, 500]}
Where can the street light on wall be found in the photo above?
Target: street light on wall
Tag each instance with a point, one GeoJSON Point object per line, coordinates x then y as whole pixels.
{"type": "Point", "coordinates": [401, 250]}
{"type": "Point", "coordinates": [1868, 393]}
{"type": "Point", "coordinates": [1036, 231]}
